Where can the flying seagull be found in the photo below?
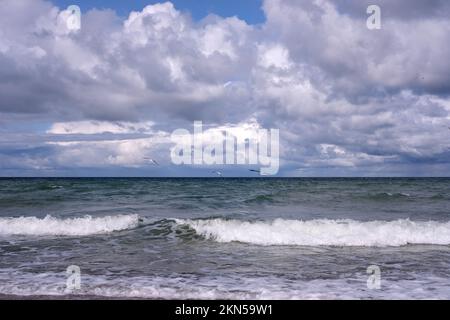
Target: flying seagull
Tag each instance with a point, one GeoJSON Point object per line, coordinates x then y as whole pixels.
{"type": "Point", "coordinates": [218, 173]}
{"type": "Point", "coordinates": [227, 84]}
{"type": "Point", "coordinates": [253, 170]}
{"type": "Point", "coordinates": [152, 161]}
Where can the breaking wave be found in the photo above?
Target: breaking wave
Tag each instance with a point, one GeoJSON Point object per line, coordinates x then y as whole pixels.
{"type": "Point", "coordinates": [83, 226]}
{"type": "Point", "coordinates": [323, 232]}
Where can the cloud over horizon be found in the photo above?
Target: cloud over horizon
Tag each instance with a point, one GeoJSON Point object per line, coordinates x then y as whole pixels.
{"type": "Point", "coordinates": [347, 100]}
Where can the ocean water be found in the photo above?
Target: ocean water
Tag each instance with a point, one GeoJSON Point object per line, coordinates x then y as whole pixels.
{"type": "Point", "coordinates": [226, 238]}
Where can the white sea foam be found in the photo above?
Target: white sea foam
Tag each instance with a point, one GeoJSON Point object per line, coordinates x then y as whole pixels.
{"type": "Point", "coordinates": [82, 226]}
{"type": "Point", "coordinates": [13, 282]}
{"type": "Point", "coordinates": [324, 232]}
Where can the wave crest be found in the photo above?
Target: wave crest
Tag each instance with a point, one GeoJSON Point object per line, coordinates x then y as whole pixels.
{"type": "Point", "coordinates": [83, 226]}
{"type": "Point", "coordinates": [323, 232]}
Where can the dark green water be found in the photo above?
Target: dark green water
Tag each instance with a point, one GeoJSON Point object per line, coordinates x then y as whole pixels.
{"type": "Point", "coordinates": [226, 238]}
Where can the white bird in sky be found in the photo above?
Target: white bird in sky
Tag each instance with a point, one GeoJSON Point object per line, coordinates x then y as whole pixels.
{"type": "Point", "coordinates": [218, 173]}
{"type": "Point", "coordinates": [227, 84]}
{"type": "Point", "coordinates": [152, 161]}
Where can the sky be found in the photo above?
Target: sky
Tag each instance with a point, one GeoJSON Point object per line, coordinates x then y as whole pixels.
{"type": "Point", "coordinates": [103, 99]}
{"type": "Point", "coordinates": [248, 10]}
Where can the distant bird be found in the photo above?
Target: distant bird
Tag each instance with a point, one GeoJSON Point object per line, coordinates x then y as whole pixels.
{"type": "Point", "coordinates": [227, 84]}
{"type": "Point", "coordinates": [152, 161]}
{"type": "Point", "coordinates": [218, 173]}
{"type": "Point", "coordinates": [253, 170]}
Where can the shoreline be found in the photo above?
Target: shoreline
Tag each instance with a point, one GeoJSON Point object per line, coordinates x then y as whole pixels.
{"type": "Point", "coordinates": [5, 297]}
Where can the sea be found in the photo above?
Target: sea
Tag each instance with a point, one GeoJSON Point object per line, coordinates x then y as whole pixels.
{"type": "Point", "coordinates": [225, 238]}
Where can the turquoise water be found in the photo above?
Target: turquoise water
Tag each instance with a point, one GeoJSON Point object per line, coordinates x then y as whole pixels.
{"type": "Point", "coordinates": [226, 238]}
